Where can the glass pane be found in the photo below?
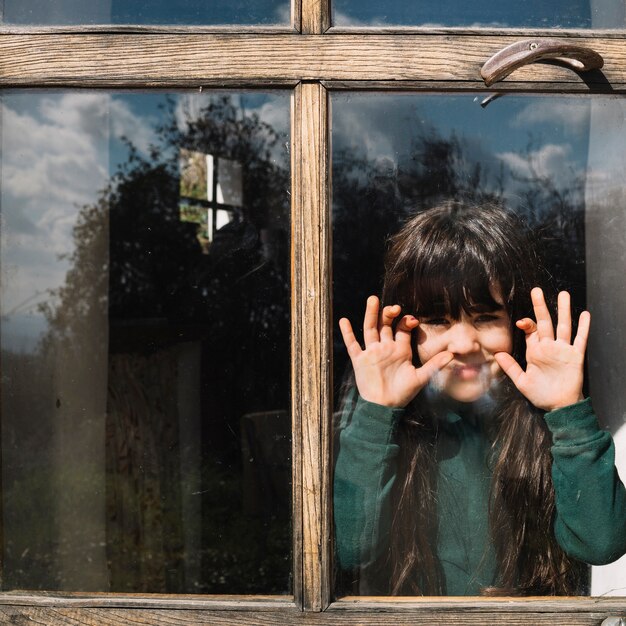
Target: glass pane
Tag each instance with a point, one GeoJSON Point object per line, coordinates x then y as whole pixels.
{"type": "Point", "coordinates": [527, 14]}
{"type": "Point", "coordinates": [456, 482]}
{"type": "Point", "coordinates": [145, 398]}
{"type": "Point", "coordinates": [162, 12]}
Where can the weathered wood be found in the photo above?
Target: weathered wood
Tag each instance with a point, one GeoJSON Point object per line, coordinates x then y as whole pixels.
{"type": "Point", "coordinates": [149, 601]}
{"type": "Point", "coordinates": [535, 604]}
{"type": "Point", "coordinates": [296, 15]}
{"type": "Point", "coordinates": [315, 16]}
{"type": "Point", "coordinates": [297, 329]}
{"type": "Point", "coordinates": [114, 617]}
{"type": "Point", "coordinates": [145, 29]}
{"type": "Point", "coordinates": [346, 605]}
{"type": "Point", "coordinates": [484, 31]}
{"type": "Point", "coordinates": [464, 87]}
{"type": "Point", "coordinates": [150, 60]}
{"type": "Point", "coordinates": [296, 12]}
{"type": "Point", "coordinates": [311, 346]}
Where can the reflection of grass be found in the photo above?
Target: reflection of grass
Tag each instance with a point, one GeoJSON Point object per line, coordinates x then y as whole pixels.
{"type": "Point", "coordinates": [240, 553]}
{"type": "Point", "coordinates": [46, 541]}
{"type": "Point", "coordinates": [230, 552]}
{"type": "Point", "coordinates": [243, 553]}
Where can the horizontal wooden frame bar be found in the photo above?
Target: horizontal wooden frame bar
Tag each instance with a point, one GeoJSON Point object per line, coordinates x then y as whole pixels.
{"type": "Point", "coordinates": [147, 29]}
{"type": "Point", "coordinates": [534, 604]}
{"type": "Point", "coordinates": [500, 89]}
{"type": "Point", "coordinates": [149, 601]}
{"type": "Point", "coordinates": [348, 605]}
{"type": "Point", "coordinates": [77, 616]}
{"type": "Point", "coordinates": [553, 33]}
{"type": "Point", "coordinates": [105, 60]}
{"type": "Point", "coordinates": [318, 16]}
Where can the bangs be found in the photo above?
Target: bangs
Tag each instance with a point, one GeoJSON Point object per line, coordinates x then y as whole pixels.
{"type": "Point", "coordinates": [458, 281]}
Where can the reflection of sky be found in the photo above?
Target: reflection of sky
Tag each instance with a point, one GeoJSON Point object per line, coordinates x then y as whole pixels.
{"type": "Point", "coordinates": [506, 13]}
{"type": "Point", "coordinates": [58, 152]}
{"type": "Point", "coordinates": [550, 131]}
{"type": "Point", "coordinates": [167, 12]}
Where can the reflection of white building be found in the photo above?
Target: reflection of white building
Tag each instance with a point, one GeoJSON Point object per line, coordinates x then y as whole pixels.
{"type": "Point", "coordinates": [610, 580]}
{"type": "Point", "coordinates": [605, 237]}
{"type": "Point", "coordinates": [224, 188]}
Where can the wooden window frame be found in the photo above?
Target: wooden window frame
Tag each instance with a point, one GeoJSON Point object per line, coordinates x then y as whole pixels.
{"type": "Point", "coordinates": [312, 60]}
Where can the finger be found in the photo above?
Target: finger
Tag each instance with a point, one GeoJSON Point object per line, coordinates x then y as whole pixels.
{"type": "Point", "coordinates": [584, 323]}
{"type": "Point", "coordinates": [530, 329]}
{"type": "Point", "coordinates": [432, 366]}
{"type": "Point", "coordinates": [542, 314]}
{"type": "Point", "coordinates": [510, 367]}
{"type": "Point", "coordinates": [387, 317]}
{"type": "Point", "coordinates": [564, 317]}
{"type": "Point", "coordinates": [370, 321]}
{"type": "Point", "coordinates": [352, 345]}
{"type": "Point", "coordinates": [405, 327]}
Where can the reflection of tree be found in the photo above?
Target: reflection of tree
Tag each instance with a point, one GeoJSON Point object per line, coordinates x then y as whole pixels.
{"type": "Point", "coordinates": [135, 260]}
{"type": "Point", "coordinates": [557, 215]}
{"type": "Point", "coordinates": [74, 308]}
{"type": "Point", "coordinates": [373, 198]}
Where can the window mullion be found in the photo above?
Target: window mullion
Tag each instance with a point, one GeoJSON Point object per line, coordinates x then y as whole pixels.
{"type": "Point", "coordinates": [311, 347]}
{"type": "Point", "coordinates": [315, 16]}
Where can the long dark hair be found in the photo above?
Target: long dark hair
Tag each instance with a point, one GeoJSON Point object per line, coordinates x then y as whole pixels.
{"type": "Point", "coordinates": [446, 260]}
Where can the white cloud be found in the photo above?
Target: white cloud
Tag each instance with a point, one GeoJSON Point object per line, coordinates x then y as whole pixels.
{"type": "Point", "coordinates": [99, 115]}
{"type": "Point", "coordinates": [550, 161]}
{"type": "Point", "coordinates": [283, 14]}
{"type": "Point", "coordinates": [343, 19]}
{"type": "Point", "coordinates": [55, 160]}
{"type": "Point", "coordinates": [574, 112]}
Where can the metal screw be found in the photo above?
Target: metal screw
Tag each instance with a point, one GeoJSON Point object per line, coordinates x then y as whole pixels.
{"type": "Point", "coordinates": [533, 45]}
{"type": "Point", "coordinates": [614, 621]}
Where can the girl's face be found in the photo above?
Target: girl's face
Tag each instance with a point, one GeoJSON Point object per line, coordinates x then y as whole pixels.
{"type": "Point", "coordinates": [473, 339]}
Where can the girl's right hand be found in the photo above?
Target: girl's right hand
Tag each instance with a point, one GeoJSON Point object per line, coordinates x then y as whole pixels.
{"type": "Point", "coordinates": [384, 371]}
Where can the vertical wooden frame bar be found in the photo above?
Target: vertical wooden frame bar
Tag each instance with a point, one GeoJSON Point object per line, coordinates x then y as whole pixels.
{"type": "Point", "coordinates": [315, 15]}
{"type": "Point", "coordinates": [296, 14]}
{"type": "Point", "coordinates": [311, 346]}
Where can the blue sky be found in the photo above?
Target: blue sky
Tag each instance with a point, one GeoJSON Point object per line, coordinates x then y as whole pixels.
{"type": "Point", "coordinates": [503, 13]}
{"type": "Point", "coordinates": [173, 12]}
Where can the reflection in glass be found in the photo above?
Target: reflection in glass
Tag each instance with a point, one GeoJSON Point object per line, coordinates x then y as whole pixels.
{"type": "Point", "coordinates": [528, 14]}
{"type": "Point", "coordinates": [555, 161]}
{"type": "Point", "coordinates": [145, 342]}
{"type": "Point", "coordinates": [156, 12]}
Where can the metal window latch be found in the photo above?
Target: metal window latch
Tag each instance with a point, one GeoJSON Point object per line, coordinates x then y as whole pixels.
{"type": "Point", "coordinates": [567, 53]}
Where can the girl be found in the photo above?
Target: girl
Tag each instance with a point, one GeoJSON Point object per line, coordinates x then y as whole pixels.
{"type": "Point", "coordinates": [469, 461]}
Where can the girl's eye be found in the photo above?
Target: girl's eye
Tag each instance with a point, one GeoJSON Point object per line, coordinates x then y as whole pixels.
{"type": "Point", "coordinates": [486, 318]}
{"type": "Point", "coordinates": [435, 321]}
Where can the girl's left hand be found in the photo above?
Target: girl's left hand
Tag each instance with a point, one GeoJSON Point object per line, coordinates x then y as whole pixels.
{"type": "Point", "coordinates": [554, 371]}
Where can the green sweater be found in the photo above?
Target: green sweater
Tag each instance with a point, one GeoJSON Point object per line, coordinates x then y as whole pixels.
{"type": "Point", "coordinates": [590, 523]}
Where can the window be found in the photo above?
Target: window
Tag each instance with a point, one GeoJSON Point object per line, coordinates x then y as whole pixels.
{"type": "Point", "coordinates": [312, 61]}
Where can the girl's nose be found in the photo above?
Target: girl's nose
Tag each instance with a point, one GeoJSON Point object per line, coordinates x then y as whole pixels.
{"type": "Point", "coordinates": [463, 338]}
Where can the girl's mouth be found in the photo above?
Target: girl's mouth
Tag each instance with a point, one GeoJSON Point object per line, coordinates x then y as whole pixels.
{"type": "Point", "coordinates": [467, 371]}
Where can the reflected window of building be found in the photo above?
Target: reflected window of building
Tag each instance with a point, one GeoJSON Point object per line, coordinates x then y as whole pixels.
{"type": "Point", "coordinates": [211, 192]}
